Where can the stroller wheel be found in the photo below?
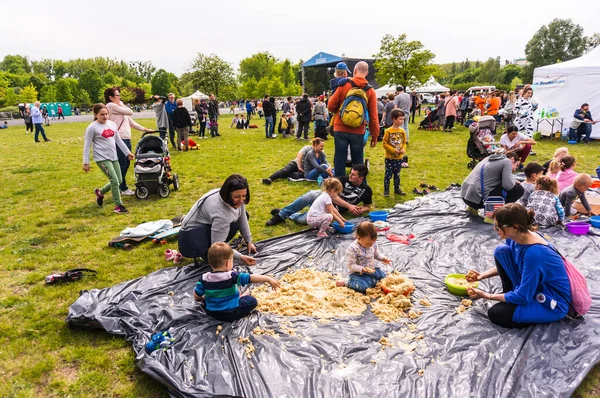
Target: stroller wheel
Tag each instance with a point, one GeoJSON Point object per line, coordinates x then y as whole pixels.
{"type": "Point", "coordinates": [142, 192]}
{"type": "Point", "coordinates": [175, 182]}
{"type": "Point", "coordinates": [163, 191]}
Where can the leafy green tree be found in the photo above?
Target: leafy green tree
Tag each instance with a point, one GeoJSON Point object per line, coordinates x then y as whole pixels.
{"type": "Point", "coordinates": [38, 81]}
{"type": "Point", "coordinates": [211, 74]}
{"type": "Point", "coordinates": [257, 66]}
{"type": "Point", "coordinates": [63, 91]}
{"type": "Point", "coordinates": [248, 88]}
{"type": "Point", "coordinates": [593, 41]}
{"type": "Point", "coordinates": [515, 82]}
{"type": "Point", "coordinates": [276, 87]}
{"type": "Point", "coordinates": [510, 72]}
{"type": "Point", "coordinates": [127, 96]}
{"type": "Point", "coordinates": [29, 94]}
{"type": "Point", "coordinates": [560, 41]}
{"type": "Point", "coordinates": [143, 69]}
{"type": "Point", "coordinates": [262, 88]}
{"type": "Point", "coordinates": [16, 64]}
{"type": "Point", "coordinates": [490, 72]}
{"type": "Point", "coordinates": [48, 93]}
{"type": "Point", "coordinates": [398, 60]}
{"type": "Point", "coordinates": [161, 84]}
{"type": "Point", "coordinates": [91, 82]}
{"type": "Point", "coordinates": [81, 98]}
{"type": "Point", "coordinates": [470, 75]}
{"type": "Point", "coordinates": [111, 79]}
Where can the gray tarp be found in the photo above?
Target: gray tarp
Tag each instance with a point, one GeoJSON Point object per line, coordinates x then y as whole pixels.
{"type": "Point", "coordinates": [462, 355]}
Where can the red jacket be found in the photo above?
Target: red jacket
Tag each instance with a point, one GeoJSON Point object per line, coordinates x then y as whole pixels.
{"type": "Point", "coordinates": [336, 101]}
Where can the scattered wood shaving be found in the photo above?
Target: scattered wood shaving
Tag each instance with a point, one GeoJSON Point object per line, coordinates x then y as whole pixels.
{"type": "Point", "coordinates": [424, 302]}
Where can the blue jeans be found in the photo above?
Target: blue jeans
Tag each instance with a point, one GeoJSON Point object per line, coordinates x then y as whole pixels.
{"type": "Point", "coordinates": [584, 129]}
{"type": "Point", "coordinates": [292, 211]}
{"type": "Point", "coordinates": [598, 171]}
{"type": "Point", "coordinates": [405, 126]}
{"type": "Point", "coordinates": [124, 162]}
{"type": "Point", "coordinates": [342, 140]}
{"type": "Point", "coordinates": [361, 283]}
{"type": "Point", "coordinates": [246, 305]}
{"type": "Point", "coordinates": [314, 174]}
{"type": "Point", "coordinates": [39, 129]}
{"type": "Point", "coordinates": [269, 126]}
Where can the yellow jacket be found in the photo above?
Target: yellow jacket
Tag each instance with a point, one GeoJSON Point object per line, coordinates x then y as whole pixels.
{"type": "Point", "coordinates": [394, 138]}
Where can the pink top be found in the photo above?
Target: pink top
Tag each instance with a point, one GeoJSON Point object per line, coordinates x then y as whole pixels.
{"type": "Point", "coordinates": [451, 106]}
{"type": "Point", "coordinates": [565, 179]}
{"type": "Point", "coordinates": [120, 115]}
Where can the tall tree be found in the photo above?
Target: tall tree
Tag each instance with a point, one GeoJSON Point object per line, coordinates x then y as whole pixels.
{"type": "Point", "coordinates": [161, 84]}
{"type": "Point", "coordinates": [29, 94]}
{"type": "Point", "coordinates": [17, 64]}
{"type": "Point", "coordinates": [510, 72]}
{"type": "Point", "coordinates": [91, 82]}
{"type": "Point", "coordinates": [257, 66]}
{"type": "Point", "coordinates": [491, 73]}
{"type": "Point", "coordinates": [398, 60]}
{"type": "Point", "coordinates": [211, 74]}
{"type": "Point", "coordinates": [560, 41]}
{"type": "Point", "coordinates": [143, 69]}
{"type": "Point", "coordinates": [63, 91]}
{"type": "Point", "coordinates": [593, 41]}
{"type": "Point", "coordinates": [48, 93]}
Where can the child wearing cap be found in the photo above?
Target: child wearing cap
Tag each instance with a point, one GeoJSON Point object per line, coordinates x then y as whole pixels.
{"type": "Point", "coordinates": [341, 76]}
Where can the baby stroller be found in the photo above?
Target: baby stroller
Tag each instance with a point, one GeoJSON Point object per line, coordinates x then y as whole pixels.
{"type": "Point", "coordinates": [152, 169]}
{"type": "Point", "coordinates": [476, 148]}
{"type": "Point", "coordinates": [429, 123]}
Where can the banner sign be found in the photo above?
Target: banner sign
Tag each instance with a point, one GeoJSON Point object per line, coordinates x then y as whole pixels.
{"type": "Point", "coordinates": [549, 82]}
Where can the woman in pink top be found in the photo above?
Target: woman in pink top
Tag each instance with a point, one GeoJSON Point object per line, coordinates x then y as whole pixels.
{"type": "Point", "coordinates": [567, 173]}
{"type": "Point", "coordinates": [121, 116]}
{"type": "Point", "coordinates": [451, 107]}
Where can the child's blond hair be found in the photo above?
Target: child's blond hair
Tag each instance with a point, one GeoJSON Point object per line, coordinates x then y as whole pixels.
{"type": "Point", "coordinates": [218, 254]}
{"type": "Point", "coordinates": [179, 101]}
{"type": "Point", "coordinates": [582, 179]}
{"type": "Point", "coordinates": [545, 183]}
{"type": "Point", "coordinates": [340, 73]}
{"type": "Point", "coordinates": [332, 185]}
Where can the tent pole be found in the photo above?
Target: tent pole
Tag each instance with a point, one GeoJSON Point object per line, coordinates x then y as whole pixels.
{"type": "Point", "coordinates": [303, 82]}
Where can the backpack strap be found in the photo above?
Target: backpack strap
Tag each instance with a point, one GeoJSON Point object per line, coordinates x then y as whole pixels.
{"type": "Point", "coordinates": [481, 175]}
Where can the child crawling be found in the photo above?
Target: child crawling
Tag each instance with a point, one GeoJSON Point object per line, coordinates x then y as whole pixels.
{"type": "Point", "coordinates": [218, 289]}
{"type": "Point", "coordinates": [360, 259]}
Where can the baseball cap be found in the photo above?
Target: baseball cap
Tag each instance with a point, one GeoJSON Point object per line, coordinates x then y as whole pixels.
{"type": "Point", "coordinates": [342, 66]}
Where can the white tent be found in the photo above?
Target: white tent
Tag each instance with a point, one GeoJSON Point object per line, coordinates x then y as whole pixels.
{"type": "Point", "coordinates": [187, 101]}
{"type": "Point", "coordinates": [567, 85]}
{"type": "Point", "coordinates": [431, 86]}
{"type": "Point", "coordinates": [381, 91]}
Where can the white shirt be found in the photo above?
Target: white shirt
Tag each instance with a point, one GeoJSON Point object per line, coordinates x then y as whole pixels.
{"type": "Point", "coordinates": [504, 140]}
{"type": "Point", "coordinates": [319, 206]}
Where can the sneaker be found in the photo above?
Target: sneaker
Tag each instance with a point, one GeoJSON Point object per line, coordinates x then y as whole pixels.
{"type": "Point", "coordinates": [386, 193]}
{"type": "Point", "coordinates": [170, 254]}
{"type": "Point", "coordinates": [266, 181]}
{"type": "Point", "coordinates": [127, 192]}
{"type": "Point", "coordinates": [296, 179]}
{"type": "Point", "coordinates": [275, 211]}
{"type": "Point", "coordinates": [276, 219]}
{"type": "Point", "coordinates": [121, 209]}
{"type": "Point", "coordinates": [472, 211]}
{"type": "Point", "coordinates": [404, 165]}
{"type": "Point", "coordinates": [99, 197]}
{"type": "Point", "coordinates": [322, 234]}
{"type": "Point", "coordinates": [417, 191]}
{"type": "Point", "coordinates": [399, 192]}
{"type": "Point", "coordinates": [178, 259]}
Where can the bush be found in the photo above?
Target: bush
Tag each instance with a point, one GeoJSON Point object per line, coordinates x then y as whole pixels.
{"type": "Point", "coordinates": [11, 109]}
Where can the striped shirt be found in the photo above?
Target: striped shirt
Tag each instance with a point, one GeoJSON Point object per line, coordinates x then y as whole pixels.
{"type": "Point", "coordinates": [220, 289]}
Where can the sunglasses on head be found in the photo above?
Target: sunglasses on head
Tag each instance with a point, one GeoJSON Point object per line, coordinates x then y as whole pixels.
{"type": "Point", "coordinates": [499, 227]}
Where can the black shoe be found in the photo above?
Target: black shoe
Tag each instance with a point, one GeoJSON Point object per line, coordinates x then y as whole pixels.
{"type": "Point", "coordinates": [266, 181]}
{"type": "Point", "coordinates": [423, 185]}
{"type": "Point", "coordinates": [399, 192]}
{"type": "Point", "coordinates": [433, 187]}
{"type": "Point", "coordinates": [275, 211]}
{"type": "Point", "coordinates": [417, 191]}
{"type": "Point", "coordinates": [276, 219]}
{"type": "Point", "coordinates": [386, 193]}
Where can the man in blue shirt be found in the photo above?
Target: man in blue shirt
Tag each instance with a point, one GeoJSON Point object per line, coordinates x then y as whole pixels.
{"type": "Point", "coordinates": [170, 106]}
{"type": "Point", "coordinates": [582, 123]}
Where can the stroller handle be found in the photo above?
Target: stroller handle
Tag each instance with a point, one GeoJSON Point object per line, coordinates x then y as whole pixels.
{"type": "Point", "coordinates": [152, 132]}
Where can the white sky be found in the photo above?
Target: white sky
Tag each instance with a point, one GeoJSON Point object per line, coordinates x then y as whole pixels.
{"type": "Point", "coordinates": [171, 33]}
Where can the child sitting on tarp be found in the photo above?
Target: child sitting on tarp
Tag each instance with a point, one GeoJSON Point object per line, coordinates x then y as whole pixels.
{"type": "Point", "coordinates": [567, 196]}
{"type": "Point", "coordinates": [360, 259]}
{"type": "Point", "coordinates": [218, 289]}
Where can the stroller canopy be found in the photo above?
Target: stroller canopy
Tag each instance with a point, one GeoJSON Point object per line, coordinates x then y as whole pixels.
{"type": "Point", "coordinates": [151, 143]}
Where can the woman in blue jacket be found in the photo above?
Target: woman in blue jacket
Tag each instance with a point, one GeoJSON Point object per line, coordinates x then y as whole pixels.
{"type": "Point", "coordinates": [535, 285]}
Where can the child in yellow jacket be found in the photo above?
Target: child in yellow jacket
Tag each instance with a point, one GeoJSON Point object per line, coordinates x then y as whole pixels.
{"type": "Point", "coordinates": [394, 143]}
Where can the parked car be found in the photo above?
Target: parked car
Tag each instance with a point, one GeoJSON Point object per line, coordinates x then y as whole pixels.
{"type": "Point", "coordinates": [427, 98]}
{"type": "Point", "coordinates": [477, 89]}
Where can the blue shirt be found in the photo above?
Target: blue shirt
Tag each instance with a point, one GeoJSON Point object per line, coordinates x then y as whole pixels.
{"type": "Point", "coordinates": [170, 107]}
{"type": "Point", "coordinates": [220, 289]}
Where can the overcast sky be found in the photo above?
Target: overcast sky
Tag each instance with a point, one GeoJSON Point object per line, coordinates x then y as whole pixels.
{"type": "Point", "coordinates": [171, 33]}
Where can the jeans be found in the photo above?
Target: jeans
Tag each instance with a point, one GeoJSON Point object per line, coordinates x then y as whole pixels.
{"type": "Point", "coordinates": [449, 122]}
{"type": "Point", "coordinates": [598, 171]}
{"type": "Point", "coordinates": [286, 171]}
{"type": "Point", "coordinates": [314, 174]}
{"type": "Point", "coordinates": [39, 129]}
{"type": "Point", "coordinates": [361, 283]}
{"type": "Point", "coordinates": [112, 170]}
{"type": "Point", "coordinates": [342, 140]}
{"type": "Point", "coordinates": [269, 126]}
{"type": "Point", "coordinates": [162, 133]}
{"type": "Point", "coordinates": [511, 196]}
{"type": "Point", "coordinates": [249, 114]}
{"type": "Point", "coordinates": [195, 242]}
{"type": "Point", "coordinates": [124, 163]}
{"type": "Point", "coordinates": [405, 125]}
{"type": "Point", "coordinates": [303, 129]}
{"type": "Point", "coordinates": [292, 211]}
{"type": "Point", "coordinates": [172, 133]}
{"type": "Point", "coordinates": [202, 129]}
{"type": "Point", "coordinates": [246, 305]}
{"type": "Point", "coordinates": [584, 129]}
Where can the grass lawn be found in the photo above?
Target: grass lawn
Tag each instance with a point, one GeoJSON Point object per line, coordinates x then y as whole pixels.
{"type": "Point", "coordinates": [49, 222]}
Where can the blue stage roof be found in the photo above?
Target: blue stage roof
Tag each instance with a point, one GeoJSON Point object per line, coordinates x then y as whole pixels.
{"type": "Point", "coordinates": [322, 59]}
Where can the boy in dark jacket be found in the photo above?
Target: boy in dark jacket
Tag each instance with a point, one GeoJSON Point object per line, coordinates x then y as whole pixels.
{"type": "Point", "coordinates": [182, 123]}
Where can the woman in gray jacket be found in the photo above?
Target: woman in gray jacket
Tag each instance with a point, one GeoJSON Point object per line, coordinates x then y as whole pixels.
{"type": "Point", "coordinates": [315, 162]}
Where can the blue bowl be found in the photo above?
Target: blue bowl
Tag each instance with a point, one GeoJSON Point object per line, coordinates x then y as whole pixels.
{"type": "Point", "coordinates": [572, 142]}
{"type": "Point", "coordinates": [378, 215]}
{"type": "Point", "coordinates": [595, 221]}
{"type": "Point", "coordinates": [346, 229]}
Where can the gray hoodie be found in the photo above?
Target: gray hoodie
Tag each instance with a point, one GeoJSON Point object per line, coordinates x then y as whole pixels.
{"type": "Point", "coordinates": [162, 119]}
{"type": "Point", "coordinates": [497, 172]}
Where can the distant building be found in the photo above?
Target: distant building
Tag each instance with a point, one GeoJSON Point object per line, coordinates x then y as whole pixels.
{"type": "Point", "coordinates": [520, 61]}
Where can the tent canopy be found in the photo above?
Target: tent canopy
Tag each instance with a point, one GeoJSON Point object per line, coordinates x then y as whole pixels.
{"type": "Point", "coordinates": [431, 86]}
{"type": "Point", "coordinates": [187, 101]}
{"type": "Point", "coordinates": [567, 85]}
{"type": "Point", "coordinates": [322, 59]}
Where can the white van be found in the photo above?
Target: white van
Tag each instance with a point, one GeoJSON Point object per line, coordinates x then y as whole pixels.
{"type": "Point", "coordinates": [477, 89]}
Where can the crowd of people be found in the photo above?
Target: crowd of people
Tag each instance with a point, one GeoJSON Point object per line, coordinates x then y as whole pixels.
{"type": "Point", "coordinates": [545, 197]}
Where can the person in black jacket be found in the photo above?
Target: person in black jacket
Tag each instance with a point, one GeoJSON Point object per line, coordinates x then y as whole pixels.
{"type": "Point", "coordinates": [182, 123]}
{"type": "Point", "coordinates": [202, 110]}
{"type": "Point", "coordinates": [269, 110]}
{"type": "Point", "coordinates": [213, 115]}
{"type": "Point", "coordinates": [304, 111]}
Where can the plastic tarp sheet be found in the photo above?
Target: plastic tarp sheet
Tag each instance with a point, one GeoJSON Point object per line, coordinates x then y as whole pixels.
{"type": "Point", "coordinates": [461, 355]}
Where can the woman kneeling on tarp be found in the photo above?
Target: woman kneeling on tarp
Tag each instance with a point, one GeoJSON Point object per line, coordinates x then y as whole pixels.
{"type": "Point", "coordinates": [535, 285]}
{"type": "Point", "coordinates": [217, 217]}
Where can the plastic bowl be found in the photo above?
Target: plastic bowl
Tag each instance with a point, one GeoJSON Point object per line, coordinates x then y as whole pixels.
{"type": "Point", "coordinates": [346, 229]}
{"type": "Point", "coordinates": [455, 289]}
{"type": "Point", "coordinates": [379, 215]}
{"type": "Point", "coordinates": [572, 142]}
{"type": "Point", "coordinates": [595, 220]}
{"type": "Point", "coordinates": [595, 184]}
{"type": "Point", "coordinates": [578, 228]}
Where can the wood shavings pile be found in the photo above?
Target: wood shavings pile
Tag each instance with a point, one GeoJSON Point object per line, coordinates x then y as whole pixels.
{"type": "Point", "coordinates": [313, 293]}
{"type": "Point", "coordinates": [464, 304]}
{"type": "Point", "coordinates": [268, 332]}
{"type": "Point", "coordinates": [390, 307]}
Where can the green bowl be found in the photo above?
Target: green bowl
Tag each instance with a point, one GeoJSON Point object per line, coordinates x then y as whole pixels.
{"type": "Point", "coordinates": [455, 289]}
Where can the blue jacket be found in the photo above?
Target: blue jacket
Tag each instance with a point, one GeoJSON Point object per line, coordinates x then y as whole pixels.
{"type": "Point", "coordinates": [170, 107]}
{"type": "Point", "coordinates": [248, 106]}
{"type": "Point", "coordinates": [220, 289]}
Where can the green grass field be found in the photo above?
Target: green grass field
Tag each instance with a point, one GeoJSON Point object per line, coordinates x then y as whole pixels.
{"type": "Point", "coordinates": [49, 222]}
